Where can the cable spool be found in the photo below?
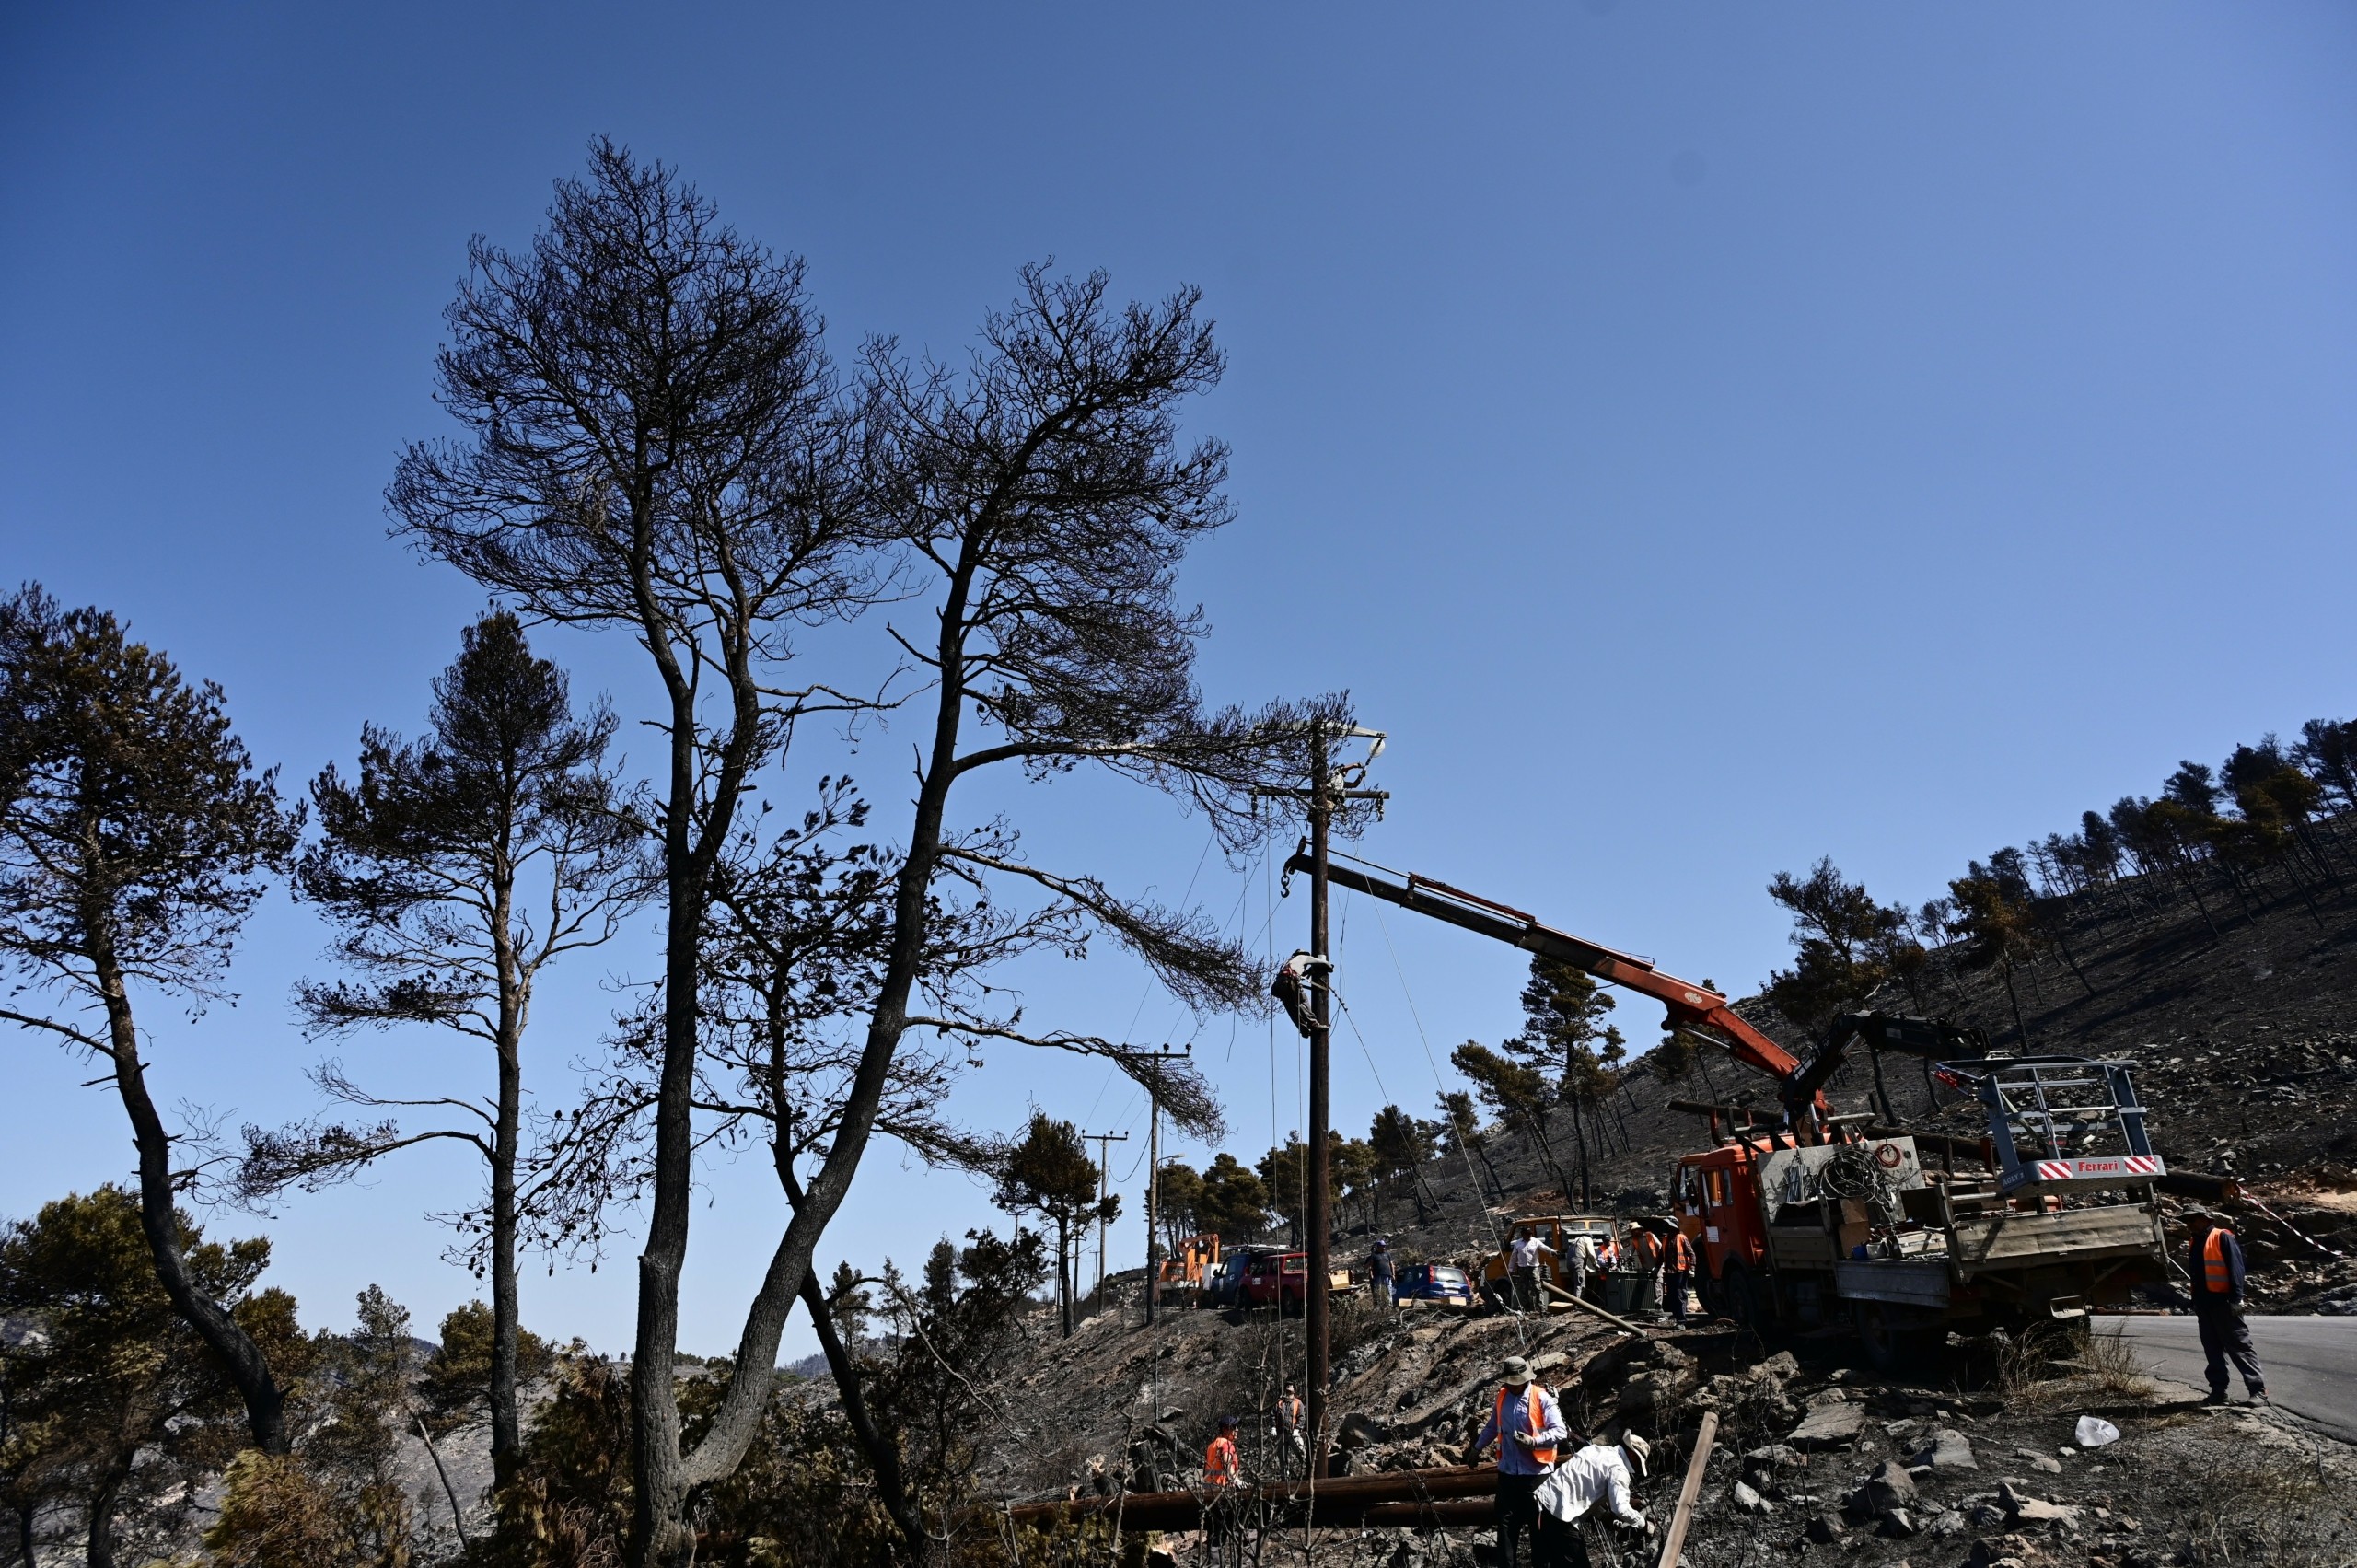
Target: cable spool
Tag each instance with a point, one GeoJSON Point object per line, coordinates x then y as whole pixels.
{"type": "Point", "coordinates": [1856, 1175]}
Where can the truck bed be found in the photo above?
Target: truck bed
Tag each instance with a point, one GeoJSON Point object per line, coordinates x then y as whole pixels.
{"type": "Point", "coordinates": [2003, 1241]}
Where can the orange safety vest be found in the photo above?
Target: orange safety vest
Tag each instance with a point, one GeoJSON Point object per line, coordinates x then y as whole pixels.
{"type": "Point", "coordinates": [1289, 1412]}
{"type": "Point", "coordinates": [1530, 1415]}
{"type": "Point", "coordinates": [2217, 1274]}
{"type": "Point", "coordinates": [1648, 1249]}
{"type": "Point", "coordinates": [1220, 1466]}
{"type": "Point", "coordinates": [1609, 1254]}
{"type": "Point", "coordinates": [1681, 1254]}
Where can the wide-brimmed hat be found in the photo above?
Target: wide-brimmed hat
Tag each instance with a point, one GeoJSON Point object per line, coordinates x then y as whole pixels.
{"type": "Point", "coordinates": [2192, 1215]}
{"type": "Point", "coordinates": [1518, 1371]}
{"type": "Point", "coordinates": [1637, 1448]}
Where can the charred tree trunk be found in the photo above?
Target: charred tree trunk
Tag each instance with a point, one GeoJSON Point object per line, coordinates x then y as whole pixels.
{"type": "Point", "coordinates": [266, 1401]}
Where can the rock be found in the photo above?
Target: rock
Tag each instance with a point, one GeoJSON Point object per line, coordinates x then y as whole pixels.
{"type": "Point", "coordinates": [1828, 1427]}
{"type": "Point", "coordinates": [1897, 1525]}
{"type": "Point", "coordinates": [1946, 1523]}
{"type": "Point", "coordinates": [1782, 1367]}
{"type": "Point", "coordinates": [2031, 1511]}
{"type": "Point", "coordinates": [2048, 1466]}
{"type": "Point", "coordinates": [1358, 1431]}
{"type": "Point", "coordinates": [1777, 1455]}
{"type": "Point", "coordinates": [1890, 1487]}
{"type": "Point", "coordinates": [1985, 1516]}
{"type": "Point", "coordinates": [1823, 1529]}
{"type": "Point", "coordinates": [1950, 1451]}
{"type": "Point", "coordinates": [1748, 1500]}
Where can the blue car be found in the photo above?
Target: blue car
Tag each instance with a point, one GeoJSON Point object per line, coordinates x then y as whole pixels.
{"type": "Point", "coordinates": [1441, 1284]}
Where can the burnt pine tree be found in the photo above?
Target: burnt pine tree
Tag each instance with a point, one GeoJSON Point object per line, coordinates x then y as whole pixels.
{"type": "Point", "coordinates": [134, 835]}
{"type": "Point", "coordinates": [1843, 944]}
{"type": "Point", "coordinates": [455, 868]}
{"type": "Point", "coordinates": [1048, 1173]}
{"type": "Point", "coordinates": [1046, 503]}
{"type": "Point", "coordinates": [656, 441]}
{"type": "Point", "coordinates": [1520, 1095]}
{"type": "Point", "coordinates": [1999, 928]}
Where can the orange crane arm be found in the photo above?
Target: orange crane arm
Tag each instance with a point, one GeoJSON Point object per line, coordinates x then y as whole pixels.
{"type": "Point", "coordinates": [1690, 1005]}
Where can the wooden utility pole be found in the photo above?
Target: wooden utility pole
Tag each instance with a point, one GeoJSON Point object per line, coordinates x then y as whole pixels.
{"type": "Point", "coordinates": [1317, 1305]}
{"type": "Point", "coordinates": [1101, 1140]}
{"type": "Point", "coordinates": [1154, 1176]}
{"type": "Point", "coordinates": [1329, 788]}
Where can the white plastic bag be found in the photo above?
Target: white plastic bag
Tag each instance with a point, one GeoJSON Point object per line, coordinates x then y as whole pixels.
{"type": "Point", "coordinates": [2094, 1432]}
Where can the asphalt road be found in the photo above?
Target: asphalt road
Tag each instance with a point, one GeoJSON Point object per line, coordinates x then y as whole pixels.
{"type": "Point", "coordinates": [2310, 1362]}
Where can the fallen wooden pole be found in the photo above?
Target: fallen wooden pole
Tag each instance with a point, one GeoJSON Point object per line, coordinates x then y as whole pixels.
{"type": "Point", "coordinates": [1462, 1511]}
{"type": "Point", "coordinates": [1620, 1323]}
{"type": "Point", "coordinates": [1675, 1543]}
{"type": "Point", "coordinates": [1347, 1500]}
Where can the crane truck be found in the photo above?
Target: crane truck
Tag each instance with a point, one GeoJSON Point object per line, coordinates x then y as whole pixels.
{"type": "Point", "coordinates": [1810, 1218]}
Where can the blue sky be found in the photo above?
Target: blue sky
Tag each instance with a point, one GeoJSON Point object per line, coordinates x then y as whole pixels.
{"type": "Point", "coordinates": [1704, 438]}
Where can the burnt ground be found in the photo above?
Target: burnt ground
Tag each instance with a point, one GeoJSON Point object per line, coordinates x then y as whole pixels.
{"type": "Point", "coordinates": [1817, 1459]}
{"type": "Point", "coordinates": [2244, 1043]}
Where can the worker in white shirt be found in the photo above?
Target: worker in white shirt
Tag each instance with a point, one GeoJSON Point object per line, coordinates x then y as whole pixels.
{"type": "Point", "coordinates": [1583, 1263]}
{"type": "Point", "coordinates": [1524, 1259]}
{"type": "Point", "coordinates": [1596, 1474]}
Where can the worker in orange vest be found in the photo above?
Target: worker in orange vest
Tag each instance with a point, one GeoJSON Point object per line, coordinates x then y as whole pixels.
{"type": "Point", "coordinates": [1647, 1247]}
{"type": "Point", "coordinates": [1221, 1466]}
{"type": "Point", "coordinates": [1526, 1424]}
{"type": "Point", "coordinates": [1680, 1273]}
{"type": "Point", "coordinates": [2214, 1259]}
{"type": "Point", "coordinates": [1224, 1475]}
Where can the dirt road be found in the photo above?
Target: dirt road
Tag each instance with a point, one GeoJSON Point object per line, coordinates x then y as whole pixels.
{"type": "Point", "coordinates": [2311, 1362]}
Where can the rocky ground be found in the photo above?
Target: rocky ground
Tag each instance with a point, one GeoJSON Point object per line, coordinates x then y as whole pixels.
{"type": "Point", "coordinates": [1981, 1462]}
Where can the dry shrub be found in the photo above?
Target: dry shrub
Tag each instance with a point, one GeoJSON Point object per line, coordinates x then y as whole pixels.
{"type": "Point", "coordinates": [2055, 1364]}
{"type": "Point", "coordinates": [2285, 1514]}
{"type": "Point", "coordinates": [278, 1513]}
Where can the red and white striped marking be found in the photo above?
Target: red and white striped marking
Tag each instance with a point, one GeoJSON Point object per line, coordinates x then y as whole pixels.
{"type": "Point", "coordinates": [2111, 1167]}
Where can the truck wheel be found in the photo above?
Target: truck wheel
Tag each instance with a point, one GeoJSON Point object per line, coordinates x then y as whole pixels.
{"type": "Point", "coordinates": [1895, 1340]}
{"type": "Point", "coordinates": [1740, 1299]}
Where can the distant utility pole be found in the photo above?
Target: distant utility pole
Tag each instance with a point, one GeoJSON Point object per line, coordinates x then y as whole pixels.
{"type": "Point", "coordinates": [1101, 1140]}
{"type": "Point", "coordinates": [1154, 1165]}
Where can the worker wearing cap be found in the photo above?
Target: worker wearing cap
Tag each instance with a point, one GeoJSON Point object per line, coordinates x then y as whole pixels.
{"type": "Point", "coordinates": [1221, 1466]}
{"type": "Point", "coordinates": [2214, 1259]}
{"type": "Point", "coordinates": [1292, 1446]}
{"type": "Point", "coordinates": [1596, 1474]}
{"type": "Point", "coordinates": [1526, 1424]}
{"type": "Point", "coordinates": [1381, 1269]}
